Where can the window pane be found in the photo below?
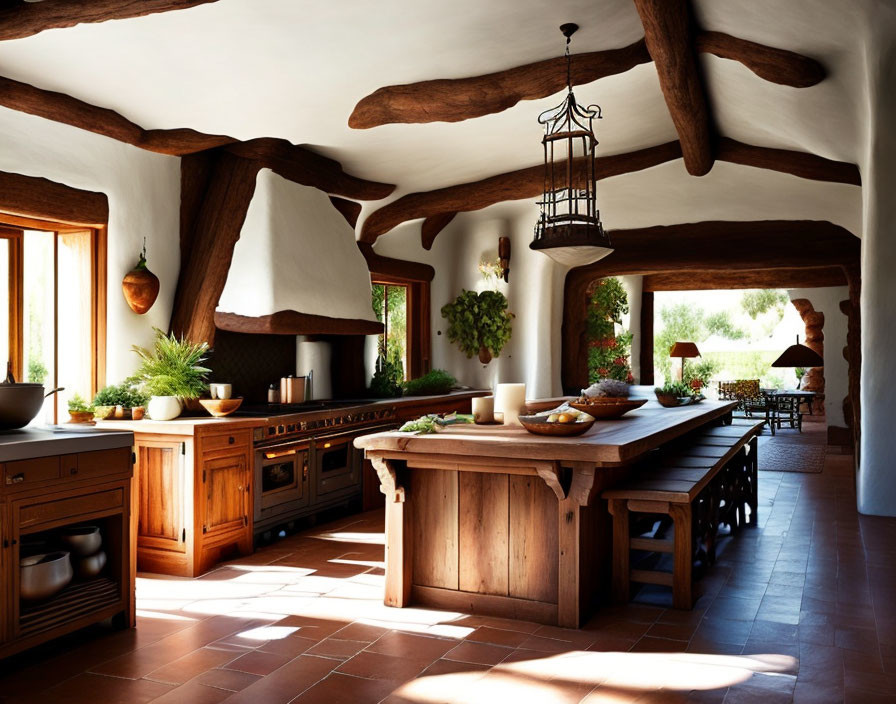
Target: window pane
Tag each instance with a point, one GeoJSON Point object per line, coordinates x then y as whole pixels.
{"type": "Point", "coordinates": [38, 315]}
{"type": "Point", "coordinates": [75, 317]}
{"type": "Point", "coordinates": [397, 327]}
{"type": "Point", "coordinates": [4, 305]}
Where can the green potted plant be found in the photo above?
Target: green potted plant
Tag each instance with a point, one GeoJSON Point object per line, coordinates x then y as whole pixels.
{"type": "Point", "coordinates": [79, 410]}
{"type": "Point", "coordinates": [433, 383]}
{"type": "Point", "coordinates": [170, 372]}
{"type": "Point", "coordinates": [676, 393]}
{"type": "Point", "coordinates": [479, 323]}
{"type": "Point", "coordinates": [120, 401]}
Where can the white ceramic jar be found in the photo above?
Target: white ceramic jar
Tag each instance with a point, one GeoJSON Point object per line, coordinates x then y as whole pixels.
{"type": "Point", "coordinates": [164, 407]}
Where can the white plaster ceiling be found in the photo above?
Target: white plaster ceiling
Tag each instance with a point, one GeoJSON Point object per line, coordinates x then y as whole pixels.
{"type": "Point", "coordinates": [281, 68]}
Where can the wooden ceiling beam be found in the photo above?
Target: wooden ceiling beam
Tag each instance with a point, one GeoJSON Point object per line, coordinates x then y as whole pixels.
{"type": "Point", "coordinates": [349, 209]}
{"type": "Point", "coordinates": [513, 185]}
{"type": "Point", "coordinates": [786, 68]}
{"type": "Point", "coordinates": [303, 166]}
{"type": "Point", "coordinates": [432, 226]}
{"type": "Point", "coordinates": [800, 164]}
{"type": "Point", "coordinates": [33, 197]}
{"type": "Point", "coordinates": [20, 20]}
{"type": "Point", "coordinates": [529, 182]}
{"type": "Point", "coordinates": [398, 268]}
{"type": "Point", "coordinates": [715, 280]}
{"type": "Point", "coordinates": [453, 100]}
{"type": "Point", "coordinates": [669, 35]}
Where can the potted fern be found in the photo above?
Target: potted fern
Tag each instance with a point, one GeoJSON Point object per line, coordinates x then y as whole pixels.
{"type": "Point", "coordinates": [172, 371]}
{"type": "Point", "coordinates": [479, 323]}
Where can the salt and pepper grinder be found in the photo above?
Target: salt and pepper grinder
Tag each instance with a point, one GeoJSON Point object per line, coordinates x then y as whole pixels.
{"type": "Point", "coordinates": [273, 393]}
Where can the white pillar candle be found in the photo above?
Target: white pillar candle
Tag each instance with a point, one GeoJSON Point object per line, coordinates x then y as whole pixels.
{"type": "Point", "coordinates": [484, 409]}
{"type": "Point", "coordinates": [510, 400]}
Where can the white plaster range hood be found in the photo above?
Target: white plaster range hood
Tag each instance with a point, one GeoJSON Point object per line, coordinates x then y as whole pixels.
{"type": "Point", "coordinates": [296, 268]}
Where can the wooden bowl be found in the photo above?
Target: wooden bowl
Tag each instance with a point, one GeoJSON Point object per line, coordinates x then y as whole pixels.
{"type": "Point", "coordinates": [220, 407]}
{"type": "Point", "coordinates": [671, 401]}
{"type": "Point", "coordinates": [538, 425]}
{"type": "Point", "coordinates": [609, 408]}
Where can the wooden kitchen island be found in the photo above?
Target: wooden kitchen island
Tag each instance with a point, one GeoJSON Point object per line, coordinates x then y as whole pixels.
{"type": "Point", "coordinates": [495, 520]}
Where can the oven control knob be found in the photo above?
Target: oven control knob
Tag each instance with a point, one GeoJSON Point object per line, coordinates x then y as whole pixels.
{"type": "Point", "coordinates": [280, 429]}
{"type": "Point", "coordinates": [291, 428]}
{"type": "Point", "coordinates": [272, 430]}
{"type": "Point", "coordinates": [303, 425]}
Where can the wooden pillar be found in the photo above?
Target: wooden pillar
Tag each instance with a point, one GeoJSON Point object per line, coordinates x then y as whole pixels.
{"type": "Point", "coordinates": [399, 536]}
{"type": "Point", "coordinates": [646, 338]}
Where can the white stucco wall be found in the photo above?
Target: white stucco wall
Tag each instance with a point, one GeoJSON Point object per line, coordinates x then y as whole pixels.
{"type": "Point", "coordinates": [876, 480]}
{"type": "Point", "coordinates": [534, 293]}
{"type": "Point", "coordinates": [144, 200]}
{"type": "Point", "coordinates": [836, 381]}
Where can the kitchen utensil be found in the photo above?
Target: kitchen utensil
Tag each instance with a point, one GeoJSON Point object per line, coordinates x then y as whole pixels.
{"type": "Point", "coordinates": [538, 425]}
{"type": "Point", "coordinates": [41, 576]}
{"type": "Point", "coordinates": [220, 407]}
{"type": "Point", "coordinates": [608, 408]}
{"type": "Point", "coordinates": [20, 403]}
{"type": "Point", "coordinates": [82, 540]}
{"type": "Point", "coordinates": [90, 566]}
{"type": "Point", "coordinates": [292, 389]}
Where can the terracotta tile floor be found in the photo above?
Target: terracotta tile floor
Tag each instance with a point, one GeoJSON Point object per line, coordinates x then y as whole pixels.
{"type": "Point", "coordinates": [800, 609]}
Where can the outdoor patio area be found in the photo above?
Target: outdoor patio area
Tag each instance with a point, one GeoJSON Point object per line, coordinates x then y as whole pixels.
{"type": "Point", "coordinates": [799, 608]}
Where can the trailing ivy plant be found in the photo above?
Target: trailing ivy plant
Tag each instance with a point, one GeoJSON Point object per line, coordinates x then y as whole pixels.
{"type": "Point", "coordinates": [479, 321]}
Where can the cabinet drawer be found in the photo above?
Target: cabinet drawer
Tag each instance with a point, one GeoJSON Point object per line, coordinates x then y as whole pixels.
{"type": "Point", "coordinates": [24, 473]}
{"type": "Point", "coordinates": [36, 513]}
{"type": "Point", "coordinates": [98, 464]}
{"type": "Point", "coordinates": [238, 439]}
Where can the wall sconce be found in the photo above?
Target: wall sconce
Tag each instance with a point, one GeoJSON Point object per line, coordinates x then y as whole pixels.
{"type": "Point", "coordinates": [504, 257]}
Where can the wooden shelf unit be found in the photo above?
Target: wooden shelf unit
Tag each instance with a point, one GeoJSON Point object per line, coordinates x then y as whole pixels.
{"type": "Point", "coordinates": [37, 498]}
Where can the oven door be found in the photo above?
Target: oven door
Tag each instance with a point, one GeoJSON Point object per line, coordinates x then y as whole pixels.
{"type": "Point", "coordinates": [281, 478]}
{"type": "Point", "coordinates": [337, 466]}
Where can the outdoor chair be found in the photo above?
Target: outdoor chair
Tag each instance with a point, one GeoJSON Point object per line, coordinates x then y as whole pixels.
{"type": "Point", "coordinates": [751, 402]}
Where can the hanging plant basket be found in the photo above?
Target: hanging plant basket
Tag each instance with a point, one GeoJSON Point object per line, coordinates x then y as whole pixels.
{"type": "Point", "coordinates": [140, 286]}
{"type": "Point", "coordinates": [479, 323]}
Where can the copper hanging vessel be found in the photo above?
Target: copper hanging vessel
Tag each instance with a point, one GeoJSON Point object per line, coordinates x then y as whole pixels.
{"type": "Point", "coordinates": [140, 286]}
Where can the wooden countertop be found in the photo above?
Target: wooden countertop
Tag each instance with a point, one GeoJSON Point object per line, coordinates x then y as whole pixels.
{"type": "Point", "coordinates": [608, 443]}
{"type": "Point", "coordinates": [189, 424]}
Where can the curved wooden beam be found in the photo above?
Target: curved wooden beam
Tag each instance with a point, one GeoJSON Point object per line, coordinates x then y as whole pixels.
{"type": "Point", "coordinates": [432, 226]}
{"type": "Point", "coordinates": [349, 209]}
{"type": "Point", "coordinates": [290, 322]}
{"type": "Point", "coordinates": [398, 268]}
{"type": "Point", "coordinates": [669, 39]}
{"type": "Point", "coordinates": [304, 166]}
{"type": "Point", "coordinates": [713, 280]}
{"type": "Point", "coordinates": [695, 247]}
{"type": "Point", "coordinates": [787, 161]}
{"type": "Point", "coordinates": [60, 107]}
{"type": "Point", "coordinates": [453, 100]}
{"type": "Point", "coordinates": [296, 163]}
{"type": "Point", "coordinates": [513, 185]}
{"type": "Point", "coordinates": [33, 197]}
{"type": "Point", "coordinates": [28, 19]}
{"type": "Point", "coordinates": [780, 66]}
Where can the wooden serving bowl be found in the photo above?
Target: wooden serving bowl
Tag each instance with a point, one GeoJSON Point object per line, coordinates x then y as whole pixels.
{"type": "Point", "coordinates": [538, 425]}
{"type": "Point", "coordinates": [609, 408]}
{"type": "Point", "coordinates": [220, 407]}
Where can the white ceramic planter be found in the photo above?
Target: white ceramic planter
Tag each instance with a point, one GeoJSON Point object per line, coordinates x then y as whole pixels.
{"type": "Point", "coordinates": [163, 407]}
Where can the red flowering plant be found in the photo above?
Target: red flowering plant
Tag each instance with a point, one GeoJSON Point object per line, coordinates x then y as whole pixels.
{"type": "Point", "coordinates": [608, 352]}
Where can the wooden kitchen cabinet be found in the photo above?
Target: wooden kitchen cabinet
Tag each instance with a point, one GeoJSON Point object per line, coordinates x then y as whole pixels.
{"type": "Point", "coordinates": [40, 496]}
{"type": "Point", "coordinates": [195, 499]}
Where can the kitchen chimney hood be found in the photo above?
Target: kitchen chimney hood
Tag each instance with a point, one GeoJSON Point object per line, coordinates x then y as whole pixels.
{"type": "Point", "coordinates": [296, 267]}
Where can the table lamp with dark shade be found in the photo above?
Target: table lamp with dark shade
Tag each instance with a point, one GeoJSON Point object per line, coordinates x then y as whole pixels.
{"type": "Point", "coordinates": [684, 350]}
{"type": "Point", "coordinates": [799, 356]}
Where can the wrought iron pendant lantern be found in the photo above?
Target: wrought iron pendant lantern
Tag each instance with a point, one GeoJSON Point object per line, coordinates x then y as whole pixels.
{"type": "Point", "coordinates": [569, 229]}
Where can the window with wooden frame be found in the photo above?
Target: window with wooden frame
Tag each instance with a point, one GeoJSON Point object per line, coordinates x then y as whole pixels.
{"type": "Point", "coordinates": [55, 307]}
{"type": "Point", "coordinates": [402, 305]}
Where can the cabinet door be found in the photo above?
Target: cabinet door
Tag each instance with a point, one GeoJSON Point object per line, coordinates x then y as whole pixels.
{"type": "Point", "coordinates": [6, 575]}
{"type": "Point", "coordinates": [161, 494]}
{"type": "Point", "coordinates": [225, 494]}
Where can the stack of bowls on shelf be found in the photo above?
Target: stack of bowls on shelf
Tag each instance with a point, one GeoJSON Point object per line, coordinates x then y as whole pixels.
{"type": "Point", "coordinates": [85, 542]}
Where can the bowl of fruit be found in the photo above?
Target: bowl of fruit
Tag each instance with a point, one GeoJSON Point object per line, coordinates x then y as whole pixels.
{"type": "Point", "coordinates": [563, 422]}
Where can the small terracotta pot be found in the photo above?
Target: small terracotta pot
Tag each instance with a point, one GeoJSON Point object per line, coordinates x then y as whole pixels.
{"type": "Point", "coordinates": [484, 355]}
{"type": "Point", "coordinates": [80, 416]}
{"type": "Point", "coordinates": [137, 412]}
{"type": "Point", "coordinates": [140, 287]}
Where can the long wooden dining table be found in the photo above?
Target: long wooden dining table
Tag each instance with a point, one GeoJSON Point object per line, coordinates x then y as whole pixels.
{"type": "Point", "coordinates": [494, 520]}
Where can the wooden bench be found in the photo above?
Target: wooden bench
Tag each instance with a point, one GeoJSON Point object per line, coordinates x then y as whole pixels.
{"type": "Point", "coordinates": [707, 479]}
